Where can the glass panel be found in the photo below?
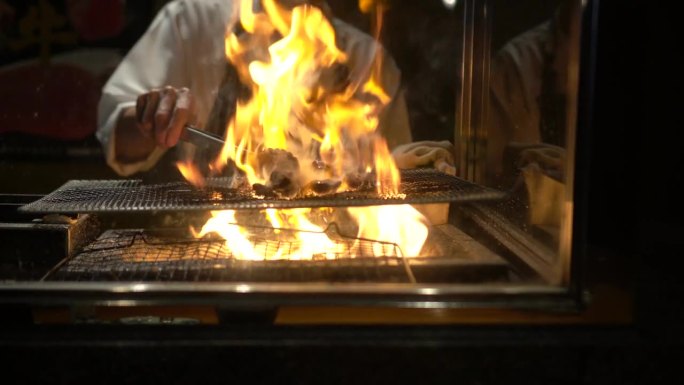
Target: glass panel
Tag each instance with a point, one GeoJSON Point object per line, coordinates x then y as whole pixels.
{"type": "Point", "coordinates": [520, 136]}
{"type": "Point", "coordinates": [482, 90]}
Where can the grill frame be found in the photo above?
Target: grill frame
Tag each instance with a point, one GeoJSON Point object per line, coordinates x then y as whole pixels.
{"type": "Point", "coordinates": [419, 186]}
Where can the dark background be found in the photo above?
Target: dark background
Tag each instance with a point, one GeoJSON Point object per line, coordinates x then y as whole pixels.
{"type": "Point", "coordinates": [634, 224]}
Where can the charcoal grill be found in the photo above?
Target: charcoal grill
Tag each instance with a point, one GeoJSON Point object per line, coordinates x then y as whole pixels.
{"type": "Point", "coordinates": [141, 255]}
{"type": "Point", "coordinates": [170, 254]}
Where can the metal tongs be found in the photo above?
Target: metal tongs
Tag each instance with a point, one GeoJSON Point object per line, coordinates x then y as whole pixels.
{"type": "Point", "coordinates": [202, 139]}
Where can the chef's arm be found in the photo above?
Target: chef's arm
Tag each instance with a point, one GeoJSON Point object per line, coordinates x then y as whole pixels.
{"type": "Point", "coordinates": [156, 60]}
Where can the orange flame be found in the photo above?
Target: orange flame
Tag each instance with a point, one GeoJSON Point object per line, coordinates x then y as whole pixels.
{"type": "Point", "coordinates": [387, 173]}
{"type": "Point", "coordinates": [300, 103]}
{"type": "Point", "coordinates": [191, 173]}
{"type": "Point", "coordinates": [297, 104]}
{"type": "Point", "coordinates": [309, 242]}
{"type": "Point", "coordinates": [402, 225]}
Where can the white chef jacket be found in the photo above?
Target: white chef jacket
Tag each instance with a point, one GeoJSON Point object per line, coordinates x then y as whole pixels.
{"type": "Point", "coordinates": [184, 47]}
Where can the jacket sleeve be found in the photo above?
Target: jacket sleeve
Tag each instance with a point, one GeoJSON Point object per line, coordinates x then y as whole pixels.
{"type": "Point", "coordinates": [157, 59]}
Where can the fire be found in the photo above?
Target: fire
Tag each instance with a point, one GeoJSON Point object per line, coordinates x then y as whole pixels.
{"type": "Point", "coordinates": [308, 242]}
{"type": "Point", "coordinates": [401, 225]}
{"type": "Point", "coordinates": [312, 239]}
{"type": "Point", "coordinates": [305, 102]}
{"type": "Point", "coordinates": [191, 173]}
{"type": "Point", "coordinates": [224, 224]}
{"type": "Point", "coordinates": [388, 177]}
{"type": "Point", "coordinates": [300, 101]}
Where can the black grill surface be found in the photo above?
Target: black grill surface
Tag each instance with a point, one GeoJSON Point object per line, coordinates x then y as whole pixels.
{"type": "Point", "coordinates": [418, 186]}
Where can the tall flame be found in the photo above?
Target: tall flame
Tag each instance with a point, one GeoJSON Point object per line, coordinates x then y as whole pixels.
{"type": "Point", "coordinates": [304, 102]}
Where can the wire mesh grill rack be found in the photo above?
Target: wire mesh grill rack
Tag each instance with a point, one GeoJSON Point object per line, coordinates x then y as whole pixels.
{"type": "Point", "coordinates": [135, 255]}
{"type": "Point", "coordinates": [419, 186]}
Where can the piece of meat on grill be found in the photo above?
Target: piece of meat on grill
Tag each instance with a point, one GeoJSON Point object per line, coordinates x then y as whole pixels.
{"type": "Point", "coordinates": [359, 180]}
{"type": "Point", "coordinates": [281, 171]}
{"type": "Point", "coordinates": [322, 187]}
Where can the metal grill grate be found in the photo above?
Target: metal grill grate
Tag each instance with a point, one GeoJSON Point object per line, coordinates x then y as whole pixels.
{"type": "Point", "coordinates": [133, 255]}
{"type": "Point", "coordinates": [82, 196]}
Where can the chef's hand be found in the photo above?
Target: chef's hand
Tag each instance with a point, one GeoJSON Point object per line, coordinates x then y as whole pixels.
{"type": "Point", "coordinates": [439, 155]}
{"type": "Point", "coordinates": [540, 168]}
{"type": "Point", "coordinates": [549, 158]}
{"type": "Point", "coordinates": [162, 113]}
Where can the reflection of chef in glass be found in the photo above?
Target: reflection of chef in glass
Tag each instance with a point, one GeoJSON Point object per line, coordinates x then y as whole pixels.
{"type": "Point", "coordinates": [177, 74]}
{"type": "Point", "coordinates": [528, 114]}
{"type": "Point", "coordinates": [528, 97]}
